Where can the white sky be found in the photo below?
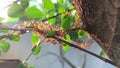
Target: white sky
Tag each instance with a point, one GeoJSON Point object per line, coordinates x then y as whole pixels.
{"type": "Point", "coordinates": [3, 11]}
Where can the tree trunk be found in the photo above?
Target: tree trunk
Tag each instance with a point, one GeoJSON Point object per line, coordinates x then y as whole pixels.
{"type": "Point", "coordinates": [100, 20]}
{"type": "Point", "coordinates": [115, 46]}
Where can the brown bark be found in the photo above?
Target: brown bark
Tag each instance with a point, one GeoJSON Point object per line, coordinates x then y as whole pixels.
{"type": "Point", "coordinates": [99, 17]}
{"type": "Point", "coordinates": [115, 46]}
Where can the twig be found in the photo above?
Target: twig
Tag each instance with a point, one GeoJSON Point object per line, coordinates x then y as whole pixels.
{"type": "Point", "coordinates": [3, 36]}
{"type": "Point", "coordinates": [16, 29]}
{"type": "Point", "coordinates": [91, 53]}
{"type": "Point", "coordinates": [55, 15]}
{"type": "Point", "coordinates": [65, 59]}
{"type": "Point", "coordinates": [39, 42]}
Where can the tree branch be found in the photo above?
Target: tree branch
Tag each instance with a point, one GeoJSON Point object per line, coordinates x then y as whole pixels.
{"type": "Point", "coordinates": [55, 15]}
{"type": "Point", "coordinates": [16, 29]}
{"type": "Point", "coordinates": [91, 53]}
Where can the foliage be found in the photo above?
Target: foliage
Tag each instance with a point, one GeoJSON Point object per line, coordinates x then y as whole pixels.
{"type": "Point", "coordinates": [103, 54]}
{"type": "Point", "coordinates": [48, 5]}
{"type": "Point", "coordinates": [43, 24]}
{"type": "Point", "coordinates": [23, 65]}
{"type": "Point", "coordinates": [81, 33]}
{"type": "Point", "coordinates": [65, 22]}
{"type": "Point", "coordinates": [1, 18]}
{"type": "Point", "coordinates": [15, 10]}
{"type": "Point", "coordinates": [51, 33]}
{"type": "Point", "coordinates": [36, 50]}
{"type": "Point", "coordinates": [4, 46]}
{"type": "Point", "coordinates": [34, 39]}
{"type": "Point", "coordinates": [33, 14]}
{"type": "Point", "coordinates": [3, 31]}
{"type": "Point", "coordinates": [14, 37]}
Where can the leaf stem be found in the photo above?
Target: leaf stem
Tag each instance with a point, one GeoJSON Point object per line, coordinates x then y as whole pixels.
{"type": "Point", "coordinates": [39, 42]}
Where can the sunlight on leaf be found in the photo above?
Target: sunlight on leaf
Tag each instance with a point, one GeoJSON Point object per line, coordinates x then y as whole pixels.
{"type": "Point", "coordinates": [4, 45]}
{"type": "Point", "coordinates": [34, 39]}
{"type": "Point", "coordinates": [51, 21]}
{"type": "Point", "coordinates": [34, 12]}
{"type": "Point", "coordinates": [66, 48]}
{"type": "Point", "coordinates": [61, 9]}
{"type": "Point", "coordinates": [60, 1]}
{"type": "Point", "coordinates": [67, 38]}
{"type": "Point", "coordinates": [14, 37]}
{"type": "Point", "coordinates": [36, 50]}
{"type": "Point", "coordinates": [103, 54]}
{"type": "Point", "coordinates": [82, 33]}
{"type": "Point", "coordinates": [48, 4]}
{"type": "Point", "coordinates": [10, 19]}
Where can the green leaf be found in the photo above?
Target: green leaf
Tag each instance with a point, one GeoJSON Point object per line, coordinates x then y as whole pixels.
{"type": "Point", "coordinates": [35, 39]}
{"type": "Point", "coordinates": [1, 18]}
{"type": "Point", "coordinates": [66, 48]}
{"type": "Point", "coordinates": [23, 65]}
{"type": "Point", "coordinates": [65, 22]}
{"type": "Point", "coordinates": [34, 12]}
{"type": "Point", "coordinates": [51, 33]}
{"type": "Point", "coordinates": [3, 30]}
{"type": "Point", "coordinates": [14, 37]}
{"type": "Point", "coordinates": [24, 3]}
{"type": "Point", "coordinates": [60, 1]}
{"type": "Point", "coordinates": [51, 21]}
{"type": "Point", "coordinates": [61, 9]}
{"type": "Point", "coordinates": [67, 38]}
{"type": "Point", "coordinates": [15, 10]}
{"type": "Point", "coordinates": [103, 54]}
{"type": "Point", "coordinates": [72, 18]}
{"type": "Point", "coordinates": [4, 45]}
{"type": "Point", "coordinates": [73, 35]}
{"type": "Point", "coordinates": [36, 50]}
{"type": "Point", "coordinates": [10, 19]}
{"type": "Point", "coordinates": [48, 4]}
{"type": "Point", "coordinates": [31, 67]}
{"type": "Point", "coordinates": [82, 33]}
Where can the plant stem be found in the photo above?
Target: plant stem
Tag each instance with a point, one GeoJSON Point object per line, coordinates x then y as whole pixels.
{"type": "Point", "coordinates": [55, 15]}
{"type": "Point", "coordinates": [91, 53]}
{"type": "Point", "coordinates": [39, 42]}
{"type": "Point", "coordinates": [17, 29]}
{"type": "Point", "coordinates": [29, 56]}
